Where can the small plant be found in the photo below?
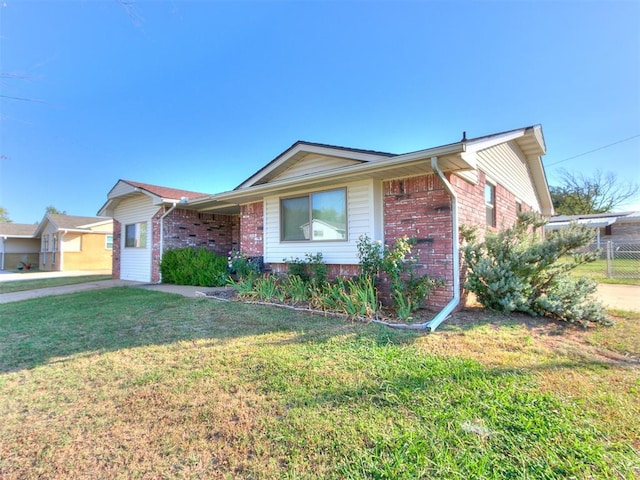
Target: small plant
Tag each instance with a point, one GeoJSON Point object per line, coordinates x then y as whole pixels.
{"type": "Point", "coordinates": [408, 289]}
{"type": "Point", "coordinates": [371, 256]}
{"type": "Point", "coordinates": [266, 287]}
{"type": "Point", "coordinates": [311, 268]}
{"type": "Point", "coordinates": [240, 264]}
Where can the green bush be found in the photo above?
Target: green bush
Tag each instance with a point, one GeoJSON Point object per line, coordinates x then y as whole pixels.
{"type": "Point", "coordinates": [516, 271]}
{"type": "Point", "coordinates": [194, 266]}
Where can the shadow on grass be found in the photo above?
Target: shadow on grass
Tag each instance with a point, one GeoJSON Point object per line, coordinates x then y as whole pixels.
{"type": "Point", "coordinates": [40, 331]}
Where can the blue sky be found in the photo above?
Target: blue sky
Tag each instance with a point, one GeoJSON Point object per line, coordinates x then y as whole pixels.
{"type": "Point", "coordinates": [200, 95]}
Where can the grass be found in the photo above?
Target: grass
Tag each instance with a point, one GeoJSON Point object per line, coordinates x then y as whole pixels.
{"type": "Point", "coordinates": [23, 285]}
{"type": "Point", "coordinates": [627, 271]}
{"type": "Point", "coordinates": [130, 383]}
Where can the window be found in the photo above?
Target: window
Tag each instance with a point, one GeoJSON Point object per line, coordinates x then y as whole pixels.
{"type": "Point", "coordinates": [490, 204]}
{"type": "Point", "coordinates": [136, 235]}
{"type": "Point", "coordinates": [108, 242]}
{"type": "Point", "coordinates": [45, 241]}
{"type": "Point", "coordinates": [316, 216]}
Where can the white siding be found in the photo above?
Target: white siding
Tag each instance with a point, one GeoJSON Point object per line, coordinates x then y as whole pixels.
{"type": "Point", "coordinates": [313, 164]}
{"type": "Point", "coordinates": [135, 263]}
{"type": "Point", "coordinates": [506, 165]}
{"type": "Point", "coordinates": [121, 188]}
{"type": "Point", "coordinates": [364, 214]}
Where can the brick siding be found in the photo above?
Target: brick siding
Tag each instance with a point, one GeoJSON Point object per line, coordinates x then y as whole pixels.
{"type": "Point", "coordinates": [187, 228]}
{"type": "Point", "coordinates": [252, 228]}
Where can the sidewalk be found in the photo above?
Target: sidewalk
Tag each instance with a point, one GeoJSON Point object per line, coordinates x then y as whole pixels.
{"type": "Point", "coordinates": [183, 290]}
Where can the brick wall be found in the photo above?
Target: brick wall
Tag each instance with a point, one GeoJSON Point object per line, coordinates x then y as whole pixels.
{"type": "Point", "coordinates": [187, 228]}
{"type": "Point", "coordinates": [471, 206]}
{"type": "Point", "coordinates": [252, 228]}
{"type": "Point", "coordinates": [115, 259]}
{"type": "Point", "coordinates": [420, 208]}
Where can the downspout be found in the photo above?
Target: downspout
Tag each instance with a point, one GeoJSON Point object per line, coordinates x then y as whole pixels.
{"type": "Point", "coordinates": [3, 239]}
{"type": "Point", "coordinates": [432, 324]}
{"type": "Point", "coordinates": [450, 307]}
{"type": "Point", "coordinates": [173, 207]}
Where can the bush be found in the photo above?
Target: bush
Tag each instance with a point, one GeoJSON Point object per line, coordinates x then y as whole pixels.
{"type": "Point", "coordinates": [515, 271]}
{"type": "Point", "coordinates": [194, 266]}
{"type": "Point", "coordinates": [311, 268]}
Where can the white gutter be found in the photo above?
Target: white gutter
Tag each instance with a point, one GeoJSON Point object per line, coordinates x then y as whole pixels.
{"type": "Point", "coordinates": [432, 324]}
{"type": "Point", "coordinates": [173, 207]}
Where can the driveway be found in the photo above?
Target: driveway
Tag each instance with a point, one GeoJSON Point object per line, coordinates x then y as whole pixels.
{"type": "Point", "coordinates": [622, 297]}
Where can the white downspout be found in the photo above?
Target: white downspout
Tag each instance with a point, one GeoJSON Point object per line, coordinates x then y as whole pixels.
{"type": "Point", "coordinates": [175, 204]}
{"type": "Point", "coordinates": [2, 239]}
{"type": "Point", "coordinates": [432, 324]}
{"type": "Point", "coordinates": [446, 311]}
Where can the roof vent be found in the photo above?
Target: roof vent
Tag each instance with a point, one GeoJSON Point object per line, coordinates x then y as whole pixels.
{"type": "Point", "coordinates": [184, 199]}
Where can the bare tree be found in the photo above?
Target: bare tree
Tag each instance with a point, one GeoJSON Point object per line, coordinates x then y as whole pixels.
{"type": "Point", "coordinates": [580, 194]}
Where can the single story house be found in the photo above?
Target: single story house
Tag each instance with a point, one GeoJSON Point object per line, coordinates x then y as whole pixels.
{"type": "Point", "coordinates": [18, 245]}
{"type": "Point", "coordinates": [621, 228]}
{"type": "Point", "coordinates": [68, 242]}
{"type": "Point", "coordinates": [426, 194]}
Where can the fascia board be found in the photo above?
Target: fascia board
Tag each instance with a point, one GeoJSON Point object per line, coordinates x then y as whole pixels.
{"type": "Point", "coordinates": [303, 147]}
{"type": "Point", "coordinates": [381, 165]}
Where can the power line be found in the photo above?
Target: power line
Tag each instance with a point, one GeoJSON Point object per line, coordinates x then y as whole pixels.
{"type": "Point", "coordinates": [594, 150]}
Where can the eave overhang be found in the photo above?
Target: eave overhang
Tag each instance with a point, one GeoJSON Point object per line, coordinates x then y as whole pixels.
{"type": "Point", "coordinates": [410, 164]}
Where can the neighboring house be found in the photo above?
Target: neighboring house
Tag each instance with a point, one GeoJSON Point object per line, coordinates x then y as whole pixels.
{"type": "Point", "coordinates": [427, 195]}
{"type": "Point", "coordinates": [18, 245]}
{"type": "Point", "coordinates": [621, 228]}
{"type": "Point", "coordinates": [69, 242]}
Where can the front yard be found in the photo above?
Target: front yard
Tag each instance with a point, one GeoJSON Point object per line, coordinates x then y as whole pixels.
{"type": "Point", "coordinates": [130, 383]}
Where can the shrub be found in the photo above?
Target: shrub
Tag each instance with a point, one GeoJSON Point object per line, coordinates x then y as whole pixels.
{"type": "Point", "coordinates": [408, 289]}
{"type": "Point", "coordinates": [193, 266]}
{"type": "Point", "coordinates": [311, 268]}
{"type": "Point", "coordinates": [241, 265]}
{"type": "Point", "coordinates": [514, 270]}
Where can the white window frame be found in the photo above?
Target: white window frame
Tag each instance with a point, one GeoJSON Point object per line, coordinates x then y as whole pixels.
{"type": "Point", "coordinates": [139, 236]}
{"type": "Point", "coordinates": [311, 238]}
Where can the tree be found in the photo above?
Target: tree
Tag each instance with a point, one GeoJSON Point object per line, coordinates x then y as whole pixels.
{"type": "Point", "coordinates": [579, 194]}
{"type": "Point", "coordinates": [53, 210]}
{"type": "Point", "coordinates": [4, 215]}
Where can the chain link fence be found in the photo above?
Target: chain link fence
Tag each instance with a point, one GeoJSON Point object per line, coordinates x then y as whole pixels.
{"type": "Point", "coordinates": [617, 259]}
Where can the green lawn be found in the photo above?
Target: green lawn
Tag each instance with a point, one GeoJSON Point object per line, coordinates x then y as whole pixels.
{"type": "Point", "coordinates": [22, 285]}
{"type": "Point", "coordinates": [130, 383]}
{"type": "Point", "coordinates": [624, 271]}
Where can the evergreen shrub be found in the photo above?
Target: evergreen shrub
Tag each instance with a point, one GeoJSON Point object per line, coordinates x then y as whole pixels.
{"type": "Point", "coordinates": [194, 266]}
{"type": "Point", "coordinates": [515, 270]}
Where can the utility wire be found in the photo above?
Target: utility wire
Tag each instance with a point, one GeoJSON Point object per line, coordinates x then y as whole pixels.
{"type": "Point", "coordinates": [594, 150]}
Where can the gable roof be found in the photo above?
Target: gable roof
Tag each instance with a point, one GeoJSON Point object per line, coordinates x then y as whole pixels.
{"type": "Point", "coordinates": [165, 192]}
{"type": "Point", "coordinates": [70, 223]}
{"type": "Point", "coordinates": [18, 230]}
{"type": "Point", "coordinates": [159, 194]}
{"type": "Point", "coordinates": [458, 157]}
{"type": "Point", "coordinates": [301, 149]}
